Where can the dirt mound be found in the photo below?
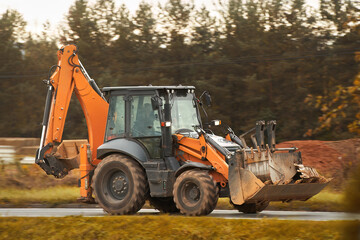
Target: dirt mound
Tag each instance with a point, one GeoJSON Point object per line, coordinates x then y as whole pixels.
{"type": "Point", "coordinates": [335, 159]}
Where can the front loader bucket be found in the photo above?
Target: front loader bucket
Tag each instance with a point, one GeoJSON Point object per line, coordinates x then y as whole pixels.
{"type": "Point", "coordinates": [288, 192]}
{"type": "Point", "coordinates": [243, 184]}
{"type": "Point", "coordinates": [266, 176]}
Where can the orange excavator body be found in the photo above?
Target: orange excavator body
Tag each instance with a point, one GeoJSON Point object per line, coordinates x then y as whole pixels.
{"type": "Point", "coordinates": [198, 150]}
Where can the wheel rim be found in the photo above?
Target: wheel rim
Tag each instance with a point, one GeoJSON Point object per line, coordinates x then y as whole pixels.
{"type": "Point", "coordinates": [118, 185]}
{"type": "Point", "coordinates": [190, 193]}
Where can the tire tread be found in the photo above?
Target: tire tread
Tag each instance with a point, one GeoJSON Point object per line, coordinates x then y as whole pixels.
{"type": "Point", "coordinates": [141, 187]}
{"type": "Point", "coordinates": [210, 192]}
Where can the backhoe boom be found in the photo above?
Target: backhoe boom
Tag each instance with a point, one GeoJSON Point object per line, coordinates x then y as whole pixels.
{"type": "Point", "coordinates": [70, 76]}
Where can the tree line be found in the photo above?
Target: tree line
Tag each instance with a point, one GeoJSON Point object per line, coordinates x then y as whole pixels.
{"type": "Point", "coordinates": [273, 59]}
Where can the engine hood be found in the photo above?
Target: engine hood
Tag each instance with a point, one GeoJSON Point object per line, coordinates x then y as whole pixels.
{"type": "Point", "coordinates": [223, 142]}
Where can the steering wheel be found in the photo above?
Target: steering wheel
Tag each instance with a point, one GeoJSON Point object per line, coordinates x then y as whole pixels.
{"type": "Point", "coordinates": [184, 130]}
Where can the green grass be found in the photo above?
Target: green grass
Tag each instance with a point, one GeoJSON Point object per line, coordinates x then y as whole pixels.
{"type": "Point", "coordinates": [171, 227]}
{"type": "Point", "coordinates": [52, 195]}
{"type": "Point", "coordinates": [324, 201]}
{"type": "Point", "coordinates": [26, 184]}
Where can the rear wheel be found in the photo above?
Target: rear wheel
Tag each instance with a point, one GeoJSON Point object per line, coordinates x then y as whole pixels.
{"type": "Point", "coordinates": [251, 207]}
{"type": "Point", "coordinates": [120, 185]}
{"type": "Point", "coordinates": [164, 204]}
{"type": "Point", "coordinates": [195, 193]}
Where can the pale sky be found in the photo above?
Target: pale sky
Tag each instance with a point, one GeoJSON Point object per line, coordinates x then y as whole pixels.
{"type": "Point", "coordinates": [37, 12]}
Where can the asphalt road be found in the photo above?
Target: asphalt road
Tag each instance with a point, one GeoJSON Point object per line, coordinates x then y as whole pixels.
{"type": "Point", "coordinates": [229, 214]}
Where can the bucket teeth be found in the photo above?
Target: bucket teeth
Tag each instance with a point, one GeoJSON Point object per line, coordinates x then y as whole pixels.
{"type": "Point", "coordinates": [306, 172]}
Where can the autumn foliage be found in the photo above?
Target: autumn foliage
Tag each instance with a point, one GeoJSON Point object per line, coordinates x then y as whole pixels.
{"type": "Point", "coordinates": [341, 104]}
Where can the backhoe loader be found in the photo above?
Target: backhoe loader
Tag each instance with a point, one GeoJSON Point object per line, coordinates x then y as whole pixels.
{"type": "Point", "coordinates": [149, 143]}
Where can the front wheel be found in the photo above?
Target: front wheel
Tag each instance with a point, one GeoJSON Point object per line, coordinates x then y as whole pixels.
{"type": "Point", "coordinates": [120, 185]}
{"type": "Point", "coordinates": [195, 193]}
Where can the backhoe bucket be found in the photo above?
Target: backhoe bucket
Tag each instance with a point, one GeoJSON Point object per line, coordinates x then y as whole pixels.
{"type": "Point", "coordinates": [263, 176]}
{"type": "Point", "coordinates": [68, 153]}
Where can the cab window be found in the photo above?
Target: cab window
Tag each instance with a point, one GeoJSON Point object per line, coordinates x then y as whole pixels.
{"type": "Point", "coordinates": [116, 118]}
{"type": "Point", "coordinates": [144, 121]}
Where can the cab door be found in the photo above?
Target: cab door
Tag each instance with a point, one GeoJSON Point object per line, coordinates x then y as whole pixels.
{"type": "Point", "coordinates": [145, 124]}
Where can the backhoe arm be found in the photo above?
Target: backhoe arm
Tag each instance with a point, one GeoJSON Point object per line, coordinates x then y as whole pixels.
{"type": "Point", "coordinates": [69, 76]}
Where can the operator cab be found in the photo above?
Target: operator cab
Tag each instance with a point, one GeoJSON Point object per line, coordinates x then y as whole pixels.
{"type": "Point", "coordinates": [149, 115]}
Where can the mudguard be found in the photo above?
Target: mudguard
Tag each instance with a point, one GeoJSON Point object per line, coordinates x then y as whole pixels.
{"type": "Point", "coordinates": [125, 146]}
{"type": "Point", "coordinates": [192, 165]}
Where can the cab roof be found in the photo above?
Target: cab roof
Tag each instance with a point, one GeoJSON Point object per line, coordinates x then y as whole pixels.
{"type": "Point", "coordinates": [140, 88]}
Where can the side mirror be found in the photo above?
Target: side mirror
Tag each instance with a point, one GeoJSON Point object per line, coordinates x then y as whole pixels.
{"type": "Point", "coordinates": [207, 99]}
{"type": "Point", "coordinates": [156, 102]}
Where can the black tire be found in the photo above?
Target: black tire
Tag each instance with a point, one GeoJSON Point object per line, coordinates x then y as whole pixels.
{"type": "Point", "coordinates": [164, 204]}
{"type": "Point", "coordinates": [251, 207]}
{"type": "Point", "coordinates": [120, 185]}
{"type": "Point", "coordinates": [195, 193]}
